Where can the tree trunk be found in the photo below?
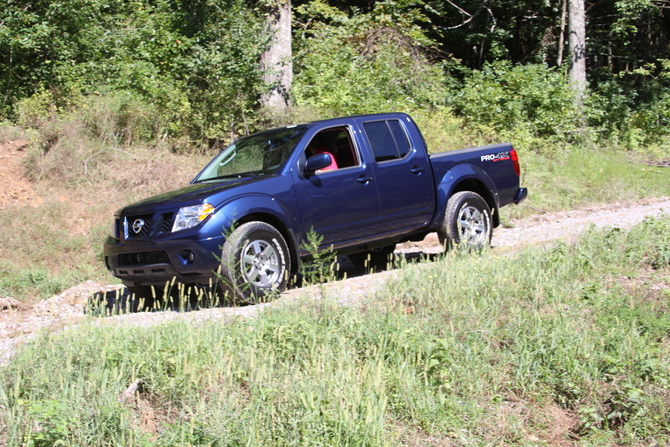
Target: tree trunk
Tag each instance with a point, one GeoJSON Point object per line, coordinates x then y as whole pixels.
{"type": "Point", "coordinates": [561, 37]}
{"type": "Point", "coordinates": [276, 61]}
{"type": "Point", "coordinates": [577, 45]}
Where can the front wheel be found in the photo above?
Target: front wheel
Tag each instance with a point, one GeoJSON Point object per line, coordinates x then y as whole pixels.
{"type": "Point", "coordinates": [467, 221]}
{"type": "Point", "coordinates": [255, 261]}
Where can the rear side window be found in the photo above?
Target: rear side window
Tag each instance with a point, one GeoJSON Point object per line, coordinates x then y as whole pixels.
{"type": "Point", "coordinates": [387, 139]}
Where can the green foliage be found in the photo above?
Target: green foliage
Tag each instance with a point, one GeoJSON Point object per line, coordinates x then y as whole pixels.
{"type": "Point", "coordinates": [117, 119]}
{"type": "Point", "coordinates": [222, 71]}
{"type": "Point", "coordinates": [632, 109]}
{"type": "Point", "coordinates": [322, 266]}
{"type": "Point", "coordinates": [54, 425]}
{"type": "Point", "coordinates": [659, 252]}
{"type": "Point", "coordinates": [629, 11]}
{"type": "Point", "coordinates": [197, 64]}
{"type": "Point", "coordinates": [191, 70]}
{"type": "Point", "coordinates": [443, 131]}
{"type": "Point", "coordinates": [522, 103]}
{"type": "Point", "coordinates": [365, 63]}
{"type": "Point", "coordinates": [629, 32]}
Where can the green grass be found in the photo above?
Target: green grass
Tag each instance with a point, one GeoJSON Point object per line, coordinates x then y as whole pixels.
{"type": "Point", "coordinates": [581, 177]}
{"type": "Point", "coordinates": [567, 343]}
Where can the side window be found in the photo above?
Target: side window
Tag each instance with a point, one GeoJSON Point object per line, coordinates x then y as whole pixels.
{"type": "Point", "coordinates": [400, 137]}
{"type": "Point", "coordinates": [387, 139]}
{"type": "Point", "coordinates": [336, 142]}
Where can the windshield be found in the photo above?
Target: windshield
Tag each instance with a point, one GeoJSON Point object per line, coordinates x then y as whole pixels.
{"type": "Point", "coordinates": [259, 154]}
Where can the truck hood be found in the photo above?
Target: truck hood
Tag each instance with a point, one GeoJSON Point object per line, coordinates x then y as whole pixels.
{"type": "Point", "coordinates": [190, 195]}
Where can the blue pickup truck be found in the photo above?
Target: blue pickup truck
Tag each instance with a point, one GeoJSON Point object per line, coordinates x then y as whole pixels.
{"type": "Point", "coordinates": [363, 183]}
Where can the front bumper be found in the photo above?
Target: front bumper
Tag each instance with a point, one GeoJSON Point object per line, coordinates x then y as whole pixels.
{"type": "Point", "coordinates": [187, 261]}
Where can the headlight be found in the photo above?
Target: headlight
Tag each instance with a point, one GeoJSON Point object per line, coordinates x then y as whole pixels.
{"type": "Point", "coordinates": [190, 216]}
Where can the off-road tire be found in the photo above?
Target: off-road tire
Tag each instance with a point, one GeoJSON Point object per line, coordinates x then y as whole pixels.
{"type": "Point", "coordinates": [255, 262]}
{"type": "Point", "coordinates": [467, 222]}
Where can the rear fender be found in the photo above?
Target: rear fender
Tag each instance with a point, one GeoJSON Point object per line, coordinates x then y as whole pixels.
{"type": "Point", "coordinates": [465, 177]}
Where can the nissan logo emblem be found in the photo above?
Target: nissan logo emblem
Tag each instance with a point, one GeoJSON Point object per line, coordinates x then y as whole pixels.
{"type": "Point", "coordinates": [138, 225]}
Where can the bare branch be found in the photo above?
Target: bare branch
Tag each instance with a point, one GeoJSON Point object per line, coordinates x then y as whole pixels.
{"type": "Point", "coordinates": [493, 18]}
{"type": "Point", "coordinates": [462, 11]}
{"type": "Point", "coordinates": [470, 16]}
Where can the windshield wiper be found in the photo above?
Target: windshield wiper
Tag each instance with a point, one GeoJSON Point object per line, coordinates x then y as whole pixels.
{"type": "Point", "coordinates": [229, 176]}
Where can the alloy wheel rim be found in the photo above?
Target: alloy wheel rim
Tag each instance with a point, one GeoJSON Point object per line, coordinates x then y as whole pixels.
{"type": "Point", "coordinates": [260, 263]}
{"type": "Point", "coordinates": [472, 225]}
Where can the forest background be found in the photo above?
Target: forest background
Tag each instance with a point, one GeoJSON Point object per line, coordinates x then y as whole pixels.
{"type": "Point", "coordinates": [189, 74]}
{"type": "Point", "coordinates": [113, 101]}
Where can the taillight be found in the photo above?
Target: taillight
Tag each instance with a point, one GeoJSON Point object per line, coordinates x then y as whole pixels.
{"type": "Point", "coordinates": [515, 161]}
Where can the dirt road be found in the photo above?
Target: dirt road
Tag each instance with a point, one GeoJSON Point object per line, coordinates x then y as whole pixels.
{"type": "Point", "coordinates": [19, 323]}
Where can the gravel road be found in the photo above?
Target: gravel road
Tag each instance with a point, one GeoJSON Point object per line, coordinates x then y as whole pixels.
{"type": "Point", "coordinates": [566, 225]}
{"type": "Point", "coordinates": [19, 323]}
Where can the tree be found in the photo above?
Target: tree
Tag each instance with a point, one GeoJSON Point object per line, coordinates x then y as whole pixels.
{"type": "Point", "coordinates": [276, 60]}
{"type": "Point", "coordinates": [577, 45]}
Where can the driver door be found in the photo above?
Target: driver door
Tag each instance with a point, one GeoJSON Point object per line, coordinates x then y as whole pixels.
{"type": "Point", "coordinates": [339, 204]}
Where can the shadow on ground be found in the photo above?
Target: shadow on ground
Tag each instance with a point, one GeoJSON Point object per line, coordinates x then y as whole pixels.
{"type": "Point", "coordinates": [121, 301]}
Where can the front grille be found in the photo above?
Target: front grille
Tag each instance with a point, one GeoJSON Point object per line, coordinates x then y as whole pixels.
{"type": "Point", "coordinates": [139, 226]}
{"type": "Point", "coordinates": [143, 226]}
{"type": "Point", "coordinates": [149, 257]}
{"type": "Point", "coordinates": [168, 220]}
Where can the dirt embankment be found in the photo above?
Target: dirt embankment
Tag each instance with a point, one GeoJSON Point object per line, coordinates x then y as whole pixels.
{"type": "Point", "coordinates": [14, 188]}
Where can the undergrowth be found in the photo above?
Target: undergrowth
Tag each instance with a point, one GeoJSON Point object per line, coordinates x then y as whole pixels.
{"type": "Point", "coordinates": [567, 343]}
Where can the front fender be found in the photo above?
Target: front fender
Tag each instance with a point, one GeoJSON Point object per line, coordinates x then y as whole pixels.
{"type": "Point", "coordinates": [263, 207]}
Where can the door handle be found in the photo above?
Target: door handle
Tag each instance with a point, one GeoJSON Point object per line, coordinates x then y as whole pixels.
{"type": "Point", "coordinates": [363, 179]}
{"type": "Point", "coordinates": [417, 169]}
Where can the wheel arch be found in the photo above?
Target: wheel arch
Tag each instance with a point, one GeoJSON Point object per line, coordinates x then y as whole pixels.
{"type": "Point", "coordinates": [477, 186]}
{"type": "Point", "coordinates": [466, 177]}
{"type": "Point", "coordinates": [270, 210]}
{"type": "Point", "coordinates": [279, 225]}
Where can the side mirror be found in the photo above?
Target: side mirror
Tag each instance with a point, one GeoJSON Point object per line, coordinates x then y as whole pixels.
{"type": "Point", "coordinates": [316, 162]}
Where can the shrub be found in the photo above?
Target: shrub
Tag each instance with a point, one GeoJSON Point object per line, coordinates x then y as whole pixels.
{"type": "Point", "coordinates": [523, 103]}
{"type": "Point", "coordinates": [365, 63]}
{"type": "Point", "coordinates": [632, 109]}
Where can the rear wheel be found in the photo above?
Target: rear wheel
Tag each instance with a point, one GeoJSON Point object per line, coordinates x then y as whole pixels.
{"type": "Point", "coordinates": [467, 221]}
{"type": "Point", "coordinates": [255, 262]}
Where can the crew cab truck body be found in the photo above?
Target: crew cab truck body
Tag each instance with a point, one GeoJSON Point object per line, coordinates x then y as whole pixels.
{"type": "Point", "coordinates": [363, 183]}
